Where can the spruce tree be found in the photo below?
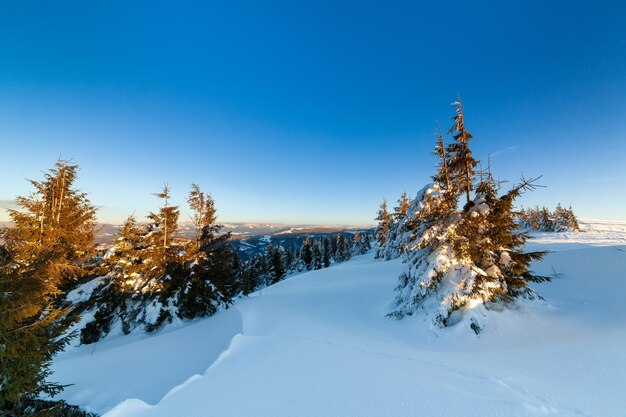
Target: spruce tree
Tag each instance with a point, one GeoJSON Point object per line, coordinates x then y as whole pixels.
{"type": "Point", "coordinates": [401, 209]}
{"type": "Point", "coordinates": [306, 253]}
{"type": "Point", "coordinates": [326, 252]}
{"type": "Point", "coordinates": [461, 166]}
{"type": "Point", "coordinates": [276, 264]}
{"type": "Point", "coordinates": [442, 177]}
{"type": "Point", "coordinates": [333, 248]}
{"type": "Point", "coordinates": [459, 258]}
{"type": "Point", "coordinates": [211, 281]}
{"type": "Point", "coordinates": [382, 230]}
{"type": "Point", "coordinates": [317, 255]}
{"type": "Point", "coordinates": [572, 220]}
{"type": "Point", "coordinates": [122, 281]}
{"type": "Point", "coordinates": [289, 259]}
{"type": "Point", "coordinates": [367, 243]}
{"type": "Point", "coordinates": [49, 246]}
{"type": "Point", "coordinates": [356, 244]}
{"type": "Point", "coordinates": [546, 221]}
{"type": "Point", "coordinates": [339, 249]}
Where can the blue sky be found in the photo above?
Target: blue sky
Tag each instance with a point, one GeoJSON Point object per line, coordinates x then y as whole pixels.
{"type": "Point", "coordinates": [311, 112]}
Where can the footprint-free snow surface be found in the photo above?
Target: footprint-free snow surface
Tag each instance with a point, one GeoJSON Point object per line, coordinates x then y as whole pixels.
{"type": "Point", "coordinates": [318, 344]}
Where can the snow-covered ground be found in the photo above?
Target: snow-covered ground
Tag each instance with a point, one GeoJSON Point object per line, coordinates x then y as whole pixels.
{"type": "Point", "coordinates": [319, 344]}
{"type": "Point", "coordinates": [592, 233]}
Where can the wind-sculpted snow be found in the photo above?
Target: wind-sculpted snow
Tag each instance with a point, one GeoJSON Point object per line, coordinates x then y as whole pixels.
{"type": "Point", "coordinates": [319, 344]}
{"type": "Point", "coordinates": [137, 366]}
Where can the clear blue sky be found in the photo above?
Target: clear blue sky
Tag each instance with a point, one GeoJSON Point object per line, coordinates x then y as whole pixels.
{"type": "Point", "coordinates": [311, 112]}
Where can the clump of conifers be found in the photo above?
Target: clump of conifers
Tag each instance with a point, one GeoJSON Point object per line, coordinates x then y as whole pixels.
{"type": "Point", "coordinates": [460, 238]}
{"type": "Point", "coordinates": [545, 220]}
{"type": "Point", "coordinates": [152, 275]}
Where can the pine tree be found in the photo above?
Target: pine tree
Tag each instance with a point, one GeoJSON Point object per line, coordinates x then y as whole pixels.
{"type": "Point", "coordinates": [123, 280]}
{"type": "Point", "coordinates": [384, 225]}
{"type": "Point", "coordinates": [457, 258]}
{"type": "Point", "coordinates": [236, 268]}
{"type": "Point", "coordinates": [248, 281]}
{"type": "Point", "coordinates": [546, 221]}
{"type": "Point", "coordinates": [165, 223]}
{"type": "Point", "coordinates": [339, 249]}
{"type": "Point", "coordinates": [333, 248]}
{"type": "Point", "coordinates": [203, 211]}
{"type": "Point", "coordinates": [159, 253]}
{"type": "Point", "coordinates": [343, 249]}
{"type": "Point", "coordinates": [317, 255]}
{"type": "Point", "coordinates": [367, 244]}
{"type": "Point", "coordinates": [572, 220]}
{"type": "Point", "coordinates": [326, 252]}
{"type": "Point", "coordinates": [306, 253]}
{"type": "Point", "coordinates": [443, 175]}
{"type": "Point", "coordinates": [276, 264]}
{"type": "Point", "coordinates": [127, 254]}
{"type": "Point", "coordinates": [49, 246]}
{"type": "Point", "coordinates": [462, 163]}
{"type": "Point", "coordinates": [401, 209]}
{"type": "Point", "coordinates": [289, 259]}
{"type": "Point", "coordinates": [212, 281]}
{"type": "Point", "coordinates": [356, 244]}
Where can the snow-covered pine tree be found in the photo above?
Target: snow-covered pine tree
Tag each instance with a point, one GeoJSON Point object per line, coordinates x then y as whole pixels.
{"type": "Point", "coordinates": [333, 248]}
{"type": "Point", "coordinates": [248, 281]}
{"type": "Point", "coordinates": [342, 252]}
{"type": "Point", "coordinates": [289, 260]}
{"type": "Point", "coordinates": [326, 252]}
{"type": "Point", "coordinates": [460, 263]}
{"type": "Point", "coordinates": [382, 230]}
{"type": "Point", "coordinates": [345, 248]}
{"type": "Point", "coordinates": [367, 242]}
{"type": "Point", "coordinates": [121, 284]}
{"type": "Point", "coordinates": [355, 244]}
{"type": "Point", "coordinates": [317, 254]}
{"type": "Point", "coordinates": [572, 220]}
{"type": "Point", "coordinates": [276, 264]}
{"type": "Point", "coordinates": [48, 246]}
{"type": "Point", "coordinates": [359, 243]}
{"type": "Point", "coordinates": [545, 220]}
{"type": "Point", "coordinates": [306, 254]}
{"type": "Point", "coordinates": [397, 231]}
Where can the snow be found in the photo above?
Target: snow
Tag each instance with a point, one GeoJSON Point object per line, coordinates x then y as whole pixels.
{"type": "Point", "coordinates": [319, 344]}
{"type": "Point", "coordinates": [592, 233]}
{"type": "Point", "coordinates": [83, 292]}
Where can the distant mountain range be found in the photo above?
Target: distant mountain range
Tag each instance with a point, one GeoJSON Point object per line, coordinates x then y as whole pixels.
{"type": "Point", "coordinates": [250, 239]}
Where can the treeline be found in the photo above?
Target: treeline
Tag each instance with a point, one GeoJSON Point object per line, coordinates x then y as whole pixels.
{"type": "Point", "coordinates": [271, 267]}
{"type": "Point", "coordinates": [461, 240]}
{"type": "Point", "coordinates": [542, 219]}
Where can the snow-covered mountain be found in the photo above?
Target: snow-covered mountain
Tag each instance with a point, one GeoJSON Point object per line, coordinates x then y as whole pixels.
{"type": "Point", "coordinates": [319, 344]}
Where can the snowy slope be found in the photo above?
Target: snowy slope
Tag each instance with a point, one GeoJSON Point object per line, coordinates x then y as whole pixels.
{"type": "Point", "coordinates": [318, 344]}
{"type": "Point", "coordinates": [592, 233]}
